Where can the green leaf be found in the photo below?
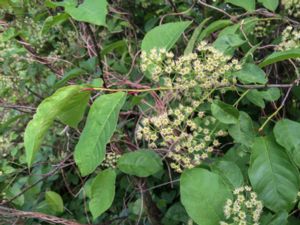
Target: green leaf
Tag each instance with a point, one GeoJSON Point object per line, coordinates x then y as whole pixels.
{"type": "Point", "coordinates": [61, 103]}
{"type": "Point", "coordinates": [102, 192]}
{"type": "Point", "coordinates": [91, 11]}
{"type": "Point", "coordinates": [191, 44]}
{"type": "Point", "coordinates": [54, 20]}
{"type": "Point", "coordinates": [224, 113]}
{"type": "Point", "coordinates": [279, 219]}
{"type": "Point", "coordinates": [74, 114]}
{"type": "Point", "coordinates": [243, 131]}
{"type": "Point", "coordinates": [174, 215]}
{"type": "Point", "coordinates": [13, 191]}
{"type": "Point", "coordinates": [287, 134]}
{"type": "Point", "coordinates": [256, 98]}
{"type": "Point", "coordinates": [259, 97]}
{"type": "Point", "coordinates": [240, 156]}
{"type": "Point", "coordinates": [274, 219]}
{"type": "Point", "coordinates": [250, 73]}
{"type": "Point", "coordinates": [141, 163]}
{"type": "Point", "coordinates": [73, 73]}
{"type": "Point", "coordinates": [55, 201]}
{"type": "Point", "coordinates": [213, 27]}
{"type": "Point", "coordinates": [89, 65]}
{"type": "Point", "coordinates": [115, 45]}
{"type": "Point", "coordinates": [228, 43]}
{"type": "Point", "coordinates": [100, 126]}
{"type": "Point", "coordinates": [270, 4]}
{"type": "Point", "coordinates": [164, 36]}
{"type": "Point", "coordinates": [249, 5]}
{"type": "Point", "coordinates": [203, 195]}
{"type": "Point", "coordinates": [296, 157]}
{"type": "Point", "coordinates": [230, 172]}
{"type": "Point", "coordinates": [272, 94]}
{"type": "Point", "coordinates": [272, 174]}
{"type": "Point", "coordinates": [8, 34]}
{"type": "Point", "coordinates": [280, 56]}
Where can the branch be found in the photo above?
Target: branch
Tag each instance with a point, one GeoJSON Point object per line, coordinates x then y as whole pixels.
{"type": "Point", "coordinates": [52, 172]}
{"type": "Point", "coordinates": [143, 88]}
{"type": "Point", "coordinates": [233, 18]}
{"type": "Point", "coordinates": [97, 50]}
{"type": "Point", "coordinates": [6, 212]}
{"type": "Point", "coordinates": [40, 59]}
{"type": "Point", "coordinates": [294, 83]}
{"type": "Point", "coordinates": [150, 207]}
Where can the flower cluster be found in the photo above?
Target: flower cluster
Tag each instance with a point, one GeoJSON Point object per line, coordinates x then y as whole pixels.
{"type": "Point", "coordinates": [6, 81]}
{"type": "Point", "coordinates": [110, 160]}
{"type": "Point", "coordinates": [262, 28]}
{"type": "Point", "coordinates": [188, 137]}
{"type": "Point", "coordinates": [292, 7]}
{"type": "Point", "coordinates": [244, 209]}
{"type": "Point", "coordinates": [290, 39]}
{"type": "Point", "coordinates": [4, 145]}
{"type": "Point", "coordinates": [206, 68]}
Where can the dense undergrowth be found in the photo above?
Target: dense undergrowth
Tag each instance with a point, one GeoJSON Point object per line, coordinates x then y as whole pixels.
{"type": "Point", "coordinates": [150, 112]}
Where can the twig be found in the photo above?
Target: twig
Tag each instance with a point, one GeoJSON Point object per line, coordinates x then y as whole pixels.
{"type": "Point", "coordinates": [52, 172]}
{"type": "Point", "coordinates": [151, 209]}
{"type": "Point", "coordinates": [6, 212]}
{"type": "Point", "coordinates": [294, 83]}
{"type": "Point", "coordinates": [97, 50]}
{"type": "Point", "coordinates": [233, 18]}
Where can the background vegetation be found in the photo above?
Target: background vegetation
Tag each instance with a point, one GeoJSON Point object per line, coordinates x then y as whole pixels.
{"type": "Point", "coordinates": [150, 112]}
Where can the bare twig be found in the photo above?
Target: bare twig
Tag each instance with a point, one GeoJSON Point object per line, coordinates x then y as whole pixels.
{"type": "Point", "coordinates": [6, 212]}
{"type": "Point", "coordinates": [233, 18]}
{"type": "Point", "coordinates": [294, 83]}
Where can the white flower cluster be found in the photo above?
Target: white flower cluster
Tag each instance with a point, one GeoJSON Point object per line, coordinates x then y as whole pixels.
{"type": "Point", "coordinates": [4, 145]}
{"type": "Point", "coordinates": [110, 160]}
{"type": "Point", "coordinates": [187, 136]}
{"type": "Point", "coordinates": [6, 81]}
{"type": "Point", "coordinates": [290, 39]}
{"type": "Point", "coordinates": [262, 28]}
{"type": "Point", "coordinates": [244, 209]}
{"type": "Point", "coordinates": [292, 7]}
{"type": "Point", "coordinates": [207, 68]}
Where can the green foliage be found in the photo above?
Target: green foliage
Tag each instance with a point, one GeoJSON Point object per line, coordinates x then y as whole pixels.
{"type": "Point", "coordinates": [100, 126]}
{"type": "Point", "coordinates": [150, 112]}
{"type": "Point", "coordinates": [66, 104]}
{"type": "Point", "coordinates": [213, 27]}
{"type": "Point", "coordinates": [91, 11]}
{"type": "Point", "coordinates": [230, 172]}
{"type": "Point", "coordinates": [270, 4]}
{"type": "Point", "coordinates": [280, 56]}
{"type": "Point", "coordinates": [102, 192]}
{"type": "Point", "coordinates": [141, 163]}
{"type": "Point", "coordinates": [243, 131]}
{"type": "Point", "coordinates": [225, 113]}
{"type": "Point", "coordinates": [203, 194]}
{"type": "Point", "coordinates": [272, 174]}
{"type": "Point", "coordinates": [228, 43]}
{"type": "Point", "coordinates": [251, 73]}
{"type": "Point", "coordinates": [196, 36]}
{"type": "Point", "coordinates": [249, 5]}
{"type": "Point", "coordinates": [54, 201]}
{"type": "Point", "coordinates": [164, 36]}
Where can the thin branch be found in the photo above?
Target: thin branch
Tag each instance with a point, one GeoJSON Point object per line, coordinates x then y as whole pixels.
{"type": "Point", "coordinates": [294, 83]}
{"type": "Point", "coordinates": [6, 212]}
{"type": "Point", "coordinates": [233, 18]}
{"type": "Point", "coordinates": [45, 176]}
